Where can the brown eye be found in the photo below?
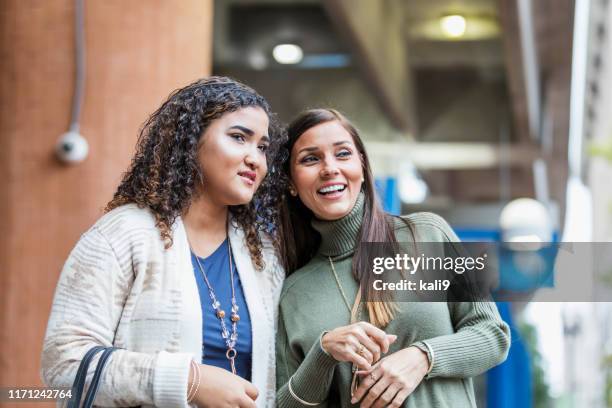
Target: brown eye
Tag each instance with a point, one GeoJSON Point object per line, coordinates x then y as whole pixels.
{"type": "Point", "coordinates": [308, 159]}
{"type": "Point", "coordinates": [238, 137]}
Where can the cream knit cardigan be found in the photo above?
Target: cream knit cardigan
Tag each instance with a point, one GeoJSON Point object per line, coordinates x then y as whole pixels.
{"type": "Point", "coordinates": [120, 287]}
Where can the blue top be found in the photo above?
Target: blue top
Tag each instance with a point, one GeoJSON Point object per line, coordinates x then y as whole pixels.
{"type": "Point", "coordinates": [216, 267]}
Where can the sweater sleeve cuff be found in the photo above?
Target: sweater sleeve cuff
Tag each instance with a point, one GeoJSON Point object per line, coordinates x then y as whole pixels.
{"type": "Point", "coordinates": [170, 379]}
{"type": "Point", "coordinates": [426, 348]}
{"type": "Point", "coordinates": [446, 354]}
{"type": "Point", "coordinates": [319, 360]}
{"type": "Point", "coordinates": [312, 379]}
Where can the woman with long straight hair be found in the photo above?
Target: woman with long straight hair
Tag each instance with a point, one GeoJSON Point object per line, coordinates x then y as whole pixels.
{"type": "Point", "coordinates": [339, 341]}
{"type": "Point", "coordinates": [181, 273]}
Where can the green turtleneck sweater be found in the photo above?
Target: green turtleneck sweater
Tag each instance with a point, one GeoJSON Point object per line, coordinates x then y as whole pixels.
{"type": "Point", "coordinates": [463, 339]}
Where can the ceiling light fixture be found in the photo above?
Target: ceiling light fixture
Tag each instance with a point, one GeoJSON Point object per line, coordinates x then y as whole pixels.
{"type": "Point", "coordinates": [453, 26]}
{"type": "Point", "coordinates": [287, 53]}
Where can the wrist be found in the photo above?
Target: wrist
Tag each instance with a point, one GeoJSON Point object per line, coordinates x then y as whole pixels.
{"type": "Point", "coordinates": [193, 382]}
{"type": "Point", "coordinates": [425, 363]}
{"type": "Point", "coordinates": [429, 356]}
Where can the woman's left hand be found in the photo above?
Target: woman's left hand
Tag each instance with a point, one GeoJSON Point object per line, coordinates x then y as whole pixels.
{"type": "Point", "coordinates": [392, 379]}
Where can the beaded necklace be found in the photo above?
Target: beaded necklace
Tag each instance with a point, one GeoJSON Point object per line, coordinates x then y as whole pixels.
{"type": "Point", "coordinates": [230, 339]}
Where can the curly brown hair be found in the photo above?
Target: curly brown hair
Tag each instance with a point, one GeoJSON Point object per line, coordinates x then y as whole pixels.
{"type": "Point", "coordinates": [165, 171]}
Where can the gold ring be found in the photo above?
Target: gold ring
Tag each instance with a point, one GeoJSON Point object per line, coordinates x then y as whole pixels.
{"type": "Point", "coordinates": [360, 351]}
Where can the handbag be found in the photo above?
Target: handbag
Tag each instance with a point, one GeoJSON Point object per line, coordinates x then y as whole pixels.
{"type": "Point", "coordinates": [79, 381]}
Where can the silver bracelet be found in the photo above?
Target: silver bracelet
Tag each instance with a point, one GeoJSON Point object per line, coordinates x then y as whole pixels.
{"type": "Point", "coordinates": [301, 401]}
{"type": "Point", "coordinates": [431, 357]}
{"type": "Point", "coordinates": [321, 342]}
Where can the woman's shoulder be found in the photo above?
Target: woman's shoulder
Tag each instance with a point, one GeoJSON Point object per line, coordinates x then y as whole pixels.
{"type": "Point", "coordinates": [126, 221]}
{"type": "Point", "coordinates": [266, 240]}
{"type": "Point", "coordinates": [301, 279]}
{"type": "Point", "coordinates": [427, 226]}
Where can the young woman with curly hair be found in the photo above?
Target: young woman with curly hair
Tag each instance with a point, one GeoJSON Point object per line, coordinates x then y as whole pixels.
{"type": "Point", "coordinates": [181, 273]}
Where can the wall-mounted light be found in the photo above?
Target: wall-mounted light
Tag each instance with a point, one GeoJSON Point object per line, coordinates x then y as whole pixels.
{"type": "Point", "coordinates": [72, 147]}
{"type": "Point", "coordinates": [288, 53]}
{"type": "Point", "coordinates": [453, 26]}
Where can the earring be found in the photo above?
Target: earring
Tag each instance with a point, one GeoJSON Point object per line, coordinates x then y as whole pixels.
{"type": "Point", "coordinates": [362, 179]}
{"type": "Point", "coordinates": [292, 191]}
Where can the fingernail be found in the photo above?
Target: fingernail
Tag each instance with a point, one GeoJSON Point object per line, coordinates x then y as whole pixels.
{"type": "Point", "coordinates": [353, 400]}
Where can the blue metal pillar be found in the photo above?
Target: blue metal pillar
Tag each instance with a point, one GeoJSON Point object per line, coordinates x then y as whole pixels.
{"type": "Point", "coordinates": [387, 191]}
{"type": "Point", "coordinates": [509, 385]}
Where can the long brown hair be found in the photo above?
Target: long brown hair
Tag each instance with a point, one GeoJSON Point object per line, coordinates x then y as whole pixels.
{"type": "Point", "coordinates": [301, 241]}
{"type": "Point", "coordinates": [165, 171]}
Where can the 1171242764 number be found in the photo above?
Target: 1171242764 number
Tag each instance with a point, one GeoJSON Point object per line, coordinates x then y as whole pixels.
{"type": "Point", "coordinates": [15, 394]}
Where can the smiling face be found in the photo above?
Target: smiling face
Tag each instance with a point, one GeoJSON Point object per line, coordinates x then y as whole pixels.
{"type": "Point", "coordinates": [326, 170]}
{"type": "Point", "coordinates": [232, 156]}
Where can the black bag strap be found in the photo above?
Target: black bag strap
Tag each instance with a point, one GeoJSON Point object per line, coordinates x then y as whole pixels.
{"type": "Point", "coordinates": [81, 375]}
{"type": "Point", "coordinates": [79, 382]}
{"type": "Point", "coordinates": [95, 381]}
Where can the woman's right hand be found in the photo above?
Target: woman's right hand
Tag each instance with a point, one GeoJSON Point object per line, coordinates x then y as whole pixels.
{"type": "Point", "coordinates": [359, 343]}
{"type": "Point", "coordinates": [220, 388]}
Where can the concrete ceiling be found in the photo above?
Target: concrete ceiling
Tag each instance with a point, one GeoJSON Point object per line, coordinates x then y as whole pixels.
{"type": "Point", "coordinates": [427, 90]}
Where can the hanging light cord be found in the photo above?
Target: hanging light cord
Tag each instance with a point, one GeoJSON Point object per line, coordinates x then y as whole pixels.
{"type": "Point", "coordinates": [79, 85]}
